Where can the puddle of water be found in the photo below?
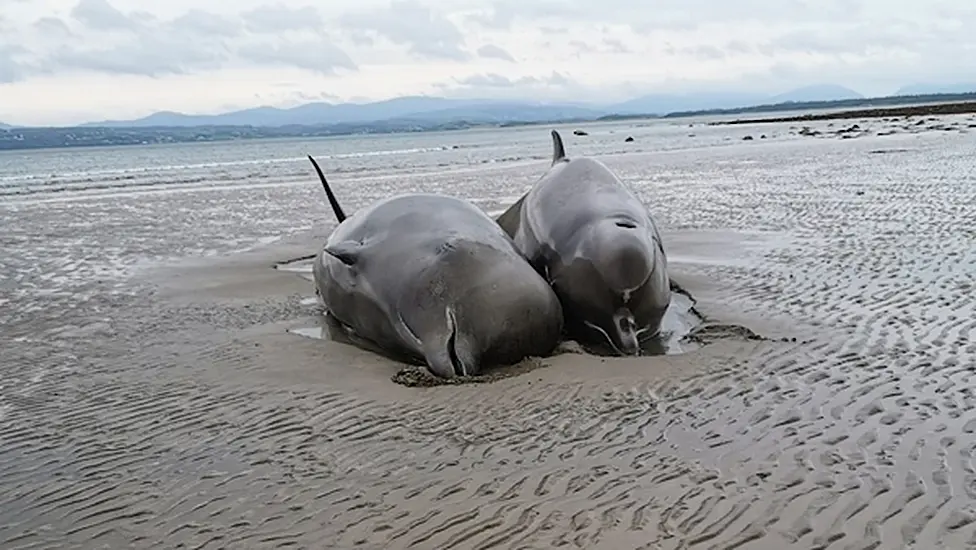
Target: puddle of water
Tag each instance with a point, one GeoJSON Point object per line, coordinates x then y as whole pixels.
{"type": "Point", "coordinates": [679, 321]}
{"type": "Point", "coordinates": [320, 333]}
{"type": "Point", "coordinates": [322, 327]}
{"type": "Point", "coordinates": [326, 327]}
{"type": "Point", "coordinates": [302, 267]}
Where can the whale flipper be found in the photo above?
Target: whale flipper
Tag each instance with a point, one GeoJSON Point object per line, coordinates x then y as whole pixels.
{"type": "Point", "coordinates": [511, 219]}
{"type": "Point", "coordinates": [347, 252]}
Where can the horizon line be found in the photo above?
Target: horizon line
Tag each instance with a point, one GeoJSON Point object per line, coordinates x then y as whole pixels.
{"type": "Point", "coordinates": [6, 127]}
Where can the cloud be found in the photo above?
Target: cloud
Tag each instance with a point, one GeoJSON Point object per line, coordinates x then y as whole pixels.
{"type": "Point", "coordinates": [205, 23]}
{"type": "Point", "coordinates": [150, 55]}
{"type": "Point", "coordinates": [578, 38]}
{"type": "Point", "coordinates": [10, 70]}
{"type": "Point", "coordinates": [493, 80]}
{"type": "Point", "coordinates": [317, 55]}
{"type": "Point", "coordinates": [499, 17]}
{"type": "Point", "coordinates": [544, 86]}
{"type": "Point", "coordinates": [236, 52]}
{"type": "Point", "coordinates": [52, 27]}
{"type": "Point", "coordinates": [278, 18]}
{"type": "Point", "coordinates": [491, 51]}
{"type": "Point", "coordinates": [100, 38]}
{"type": "Point", "coordinates": [664, 14]}
{"type": "Point", "coordinates": [605, 45]}
{"type": "Point", "coordinates": [100, 15]}
{"type": "Point", "coordinates": [407, 22]}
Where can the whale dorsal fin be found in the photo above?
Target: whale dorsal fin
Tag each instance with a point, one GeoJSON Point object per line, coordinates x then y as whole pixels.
{"type": "Point", "coordinates": [328, 192]}
{"type": "Point", "coordinates": [558, 150]}
{"type": "Point", "coordinates": [510, 220]}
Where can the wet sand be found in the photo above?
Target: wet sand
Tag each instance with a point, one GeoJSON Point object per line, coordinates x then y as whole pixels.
{"type": "Point", "coordinates": [175, 410]}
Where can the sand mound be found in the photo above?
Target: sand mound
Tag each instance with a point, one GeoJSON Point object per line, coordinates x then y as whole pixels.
{"type": "Point", "coordinates": [414, 376]}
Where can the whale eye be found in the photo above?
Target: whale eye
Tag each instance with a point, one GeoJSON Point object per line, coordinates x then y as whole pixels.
{"type": "Point", "coordinates": [627, 225]}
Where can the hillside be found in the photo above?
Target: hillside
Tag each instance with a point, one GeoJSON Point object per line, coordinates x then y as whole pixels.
{"type": "Point", "coordinates": [45, 138]}
{"type": "Point", "coordinates": [504, 112]}
{"type": "Point", "coordinates": [867, 102]}
{"type": "Point", "coordinates": [434, 114]}
{"type": "Point", "coordinates": [823, 92]}
{"type": "Point", "coordinates": [434, 110]}
{"type": "Point", "coordinates": [667, 103]}
{"type": "Point", "coordinates": [428, 109]}
{"type": "Point", "coordinates": [931, 89]}
{"type": "Point", "coordinates": [661, 104]}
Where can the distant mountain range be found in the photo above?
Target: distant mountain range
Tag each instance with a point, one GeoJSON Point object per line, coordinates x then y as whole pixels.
{"type": "Point", "coordinates": [431, 111]}
{"type": "Point", "coordinates": [443, 110]}
{"type": "Point", "coordinates": [667, 103]}
{"type": "Point", "coordinates": [426, 109]}
{"type": "Point", "coordinates": [926, 89]}
{"type": "Point", "coordinates": [5, 126]}
{"type": "Point", "coordinates": [179, 128]}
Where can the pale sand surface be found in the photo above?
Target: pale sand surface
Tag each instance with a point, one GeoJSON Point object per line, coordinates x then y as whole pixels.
{"type": "Point", "coordinates": [177, 412]}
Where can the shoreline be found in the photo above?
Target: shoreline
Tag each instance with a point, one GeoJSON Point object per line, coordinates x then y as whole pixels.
{"type": "Point", "coordinates": [933, 109]}
{"type": "Point", "coordinates": [83, 137]}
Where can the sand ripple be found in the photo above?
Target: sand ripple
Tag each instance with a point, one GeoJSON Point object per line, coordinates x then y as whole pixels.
{"type": "Point", "coordinates": [190, 418]}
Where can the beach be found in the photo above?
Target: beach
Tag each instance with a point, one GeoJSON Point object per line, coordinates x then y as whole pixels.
{"type": "Point", "coordinates": [156, 394]}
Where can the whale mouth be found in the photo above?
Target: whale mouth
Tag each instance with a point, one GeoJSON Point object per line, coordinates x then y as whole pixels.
{"type": "Point", "coordinates": [613, 345]}
{"type": "Point", "coordinates": [627, 334]}
{"type": "Point", "coordinates": [456, 362]}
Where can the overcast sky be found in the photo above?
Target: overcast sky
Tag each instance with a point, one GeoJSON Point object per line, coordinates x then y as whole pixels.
{"type": "Point", "coordinates": [65, 61]}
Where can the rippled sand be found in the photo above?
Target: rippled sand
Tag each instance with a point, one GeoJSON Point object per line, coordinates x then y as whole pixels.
{"type": "Point", "coordinates": [176, 410]}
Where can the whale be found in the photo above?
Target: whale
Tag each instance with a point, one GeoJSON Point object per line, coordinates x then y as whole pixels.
{"type": "Point", "coordinates": [594, 241]}
{"type": "Point", "coordinates": [434, 280]}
